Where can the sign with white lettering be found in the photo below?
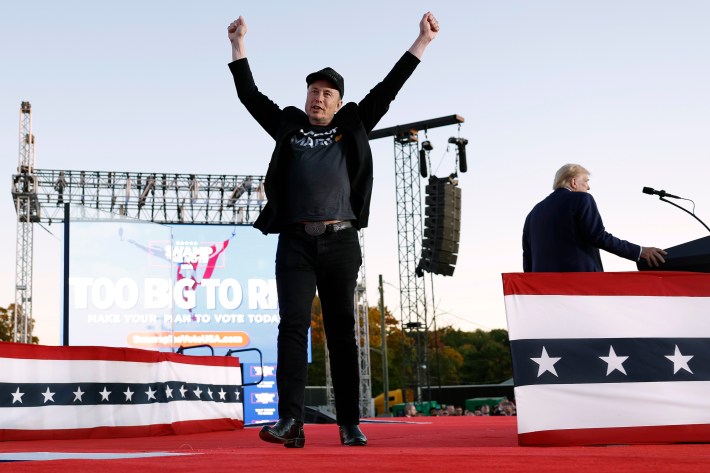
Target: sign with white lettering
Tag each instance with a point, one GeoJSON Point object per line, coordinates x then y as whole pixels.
{"type": "Point", "coordinates": [143, 285]}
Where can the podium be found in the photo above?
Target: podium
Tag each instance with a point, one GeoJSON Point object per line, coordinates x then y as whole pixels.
{"type": "Point", "coordinates": [610, 358]}
{"type": "Point", "coordinates": [691, 256]}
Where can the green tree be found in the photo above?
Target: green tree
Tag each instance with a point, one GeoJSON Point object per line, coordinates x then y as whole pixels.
{"type": "Point", "coordinates": [486, 355]}
{"type": "Point", "coordinates": [455, 357]}
{"type": "Point", "coordinates": [396, 343]}
{"type": "Point", "coordinates": [7, 324]}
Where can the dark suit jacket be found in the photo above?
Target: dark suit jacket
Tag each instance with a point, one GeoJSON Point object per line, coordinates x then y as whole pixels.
{"type": "Point", "coordinates": [564, 233]}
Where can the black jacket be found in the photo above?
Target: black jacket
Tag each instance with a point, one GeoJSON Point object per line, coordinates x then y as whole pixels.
{"type": "Point", "coordinates": [356, 120]}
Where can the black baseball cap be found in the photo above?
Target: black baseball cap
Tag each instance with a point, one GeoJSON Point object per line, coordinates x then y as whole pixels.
{"type": "Point", "coordinates": [328, 74]}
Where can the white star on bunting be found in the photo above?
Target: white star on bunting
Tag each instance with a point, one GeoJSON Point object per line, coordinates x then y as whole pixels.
{"type": "Point", "coordinates": [17, 396]}
{"type": "Point", "coordinates": [222, 393]}
{"type": "Point", "coordinates": [197, 392]}
{"type": "Point", "coordinates": [614, 361]}
{"type": "Point", "coordinates": [104, 394]}
{"type": "Point", "coordinates": [168, 392]}
{"type": "Point", "coordinates": [680, 361]}
{"type": "Point", "coordinates": [48, 396]}
{"type": "Point", "coordinates": [129, 394]}
{"type": "Point", "coordinates": [78, 394]}
{"type": "Point", "coordinates": [183, 390]}
{"type": "Point", "coordinates": [209, 393]}
{"type": "Point", "coordinates": [151, 393]}
{"type": "Point", "coordinates": [546, 363]}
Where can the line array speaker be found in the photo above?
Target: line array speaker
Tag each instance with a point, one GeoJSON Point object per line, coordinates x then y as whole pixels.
{"type": "Point", "coordinates": [442, 227]}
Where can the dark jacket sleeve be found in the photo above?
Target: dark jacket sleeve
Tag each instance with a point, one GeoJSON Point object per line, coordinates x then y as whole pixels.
{"type": "Point", "coordinates": [264, 111]}
{"type": "Point", "coordinates": [527, 250]}
{"type": "Point", "coordinates": [376, 103]}
{"type": "Point", "coordinates": [590, 222]}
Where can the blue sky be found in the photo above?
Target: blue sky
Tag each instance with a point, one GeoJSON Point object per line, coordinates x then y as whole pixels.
{"type": "Point", "coordinates": [620, 86]}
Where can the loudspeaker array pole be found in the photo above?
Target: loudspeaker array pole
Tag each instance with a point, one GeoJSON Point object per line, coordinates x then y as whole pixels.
{"type": "Point", "coordinates": [409, 234]}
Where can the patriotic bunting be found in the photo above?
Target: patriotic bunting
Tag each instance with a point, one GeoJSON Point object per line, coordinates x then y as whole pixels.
{"type": "Point", "coordinates": [610, 358]}
{"type": "Point", "coordinates": [79, 392]}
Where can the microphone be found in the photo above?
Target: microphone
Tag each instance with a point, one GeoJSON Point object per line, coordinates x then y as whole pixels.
{"type": "Point", "coordinates": [661, 193]}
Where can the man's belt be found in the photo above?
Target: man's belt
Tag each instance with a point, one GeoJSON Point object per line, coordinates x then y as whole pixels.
{"type": "Point", "coordinates": [319, 228]}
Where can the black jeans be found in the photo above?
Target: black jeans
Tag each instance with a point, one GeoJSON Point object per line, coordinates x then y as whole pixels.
{"type": "Point", "coordinates": [330, 263]}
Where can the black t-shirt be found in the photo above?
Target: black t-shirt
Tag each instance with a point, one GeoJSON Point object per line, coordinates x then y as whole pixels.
{"type": "Point", "coordinates": [319, 185]}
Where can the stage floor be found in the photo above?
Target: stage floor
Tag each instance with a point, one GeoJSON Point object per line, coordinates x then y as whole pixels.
{"type": "Point", "coordinates": [418, 445]}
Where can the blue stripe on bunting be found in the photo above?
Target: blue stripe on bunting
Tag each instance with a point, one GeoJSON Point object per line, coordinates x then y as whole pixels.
{"type": "Point", "coordinates": [75, 394]}
{"type": "Point", "coordinates": [579, 360]}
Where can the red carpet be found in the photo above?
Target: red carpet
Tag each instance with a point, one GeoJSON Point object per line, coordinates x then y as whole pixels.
{"type": "Point", "coordinates": [447, 444]}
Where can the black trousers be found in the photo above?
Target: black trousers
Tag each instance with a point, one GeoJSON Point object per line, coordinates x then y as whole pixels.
{"type": "Point", "coordinates": [330, 263]}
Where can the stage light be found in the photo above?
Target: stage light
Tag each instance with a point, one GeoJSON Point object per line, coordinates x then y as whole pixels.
{"type": "Point", "coordinates": [260, 193]}
{"type": "Point", "coordinates": [59, 186]}
{"type": "Point", "coordinates": [149, 186]}
{"type": "Point", "coordinates": [461, 148]}
{"type": "Point", "coordinates": [82, 183]}
{"type": "Point", "coordinates": [423, 153]}
{"type": "Point", "coordinates": [128, 193]}
{"type": "Point", "coordinates": [194, 188]}
{"type": "Point", "coordinates": [239, 190]}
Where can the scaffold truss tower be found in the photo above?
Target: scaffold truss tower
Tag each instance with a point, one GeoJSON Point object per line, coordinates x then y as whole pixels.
{"type": "Point", "coordinates": [413, 307]}
{"type": "Point", "coordinates": [24, 194]}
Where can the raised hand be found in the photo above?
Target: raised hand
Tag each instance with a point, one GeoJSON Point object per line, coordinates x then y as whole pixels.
{"type": "Point", "coordinates": [429, 27]}
{"type": "Point", "coordinates": [237, 29]}
{"type": "Point", "coordinates": [236, 32]}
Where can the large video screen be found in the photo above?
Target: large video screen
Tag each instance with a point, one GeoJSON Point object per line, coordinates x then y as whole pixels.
{"type": "Point", "coordinates": [144, 285]}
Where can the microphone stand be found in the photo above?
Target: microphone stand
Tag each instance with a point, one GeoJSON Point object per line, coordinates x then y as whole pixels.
{"type": "Point", "coordinates": [686, 211]}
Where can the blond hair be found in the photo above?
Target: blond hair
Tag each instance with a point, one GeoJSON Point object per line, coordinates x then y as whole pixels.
{"type": "Point", "coordinates": [565, 174]}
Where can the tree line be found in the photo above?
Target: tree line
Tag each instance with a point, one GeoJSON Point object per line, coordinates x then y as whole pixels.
{"type": "Point", "coordinates": [454, 357]}
{"type": "Point", "coordinates": [7, 324]}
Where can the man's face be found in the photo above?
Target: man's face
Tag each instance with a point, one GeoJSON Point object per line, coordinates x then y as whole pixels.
{"type": "Point", "coordinates": [322, 101]}
{"type": "Point", "coordinates": [580, 183]}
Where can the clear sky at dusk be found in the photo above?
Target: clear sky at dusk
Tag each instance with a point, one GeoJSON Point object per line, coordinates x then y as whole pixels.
{"type": "Point", "coordinates": [620, 86]}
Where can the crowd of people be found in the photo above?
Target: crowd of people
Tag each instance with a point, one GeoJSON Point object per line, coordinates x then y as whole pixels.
{"type": "Point", "coordinates": [503, 408]}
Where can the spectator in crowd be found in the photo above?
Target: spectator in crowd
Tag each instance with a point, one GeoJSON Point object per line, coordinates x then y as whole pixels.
{"type": "Point", "coordinates": [410, 410]}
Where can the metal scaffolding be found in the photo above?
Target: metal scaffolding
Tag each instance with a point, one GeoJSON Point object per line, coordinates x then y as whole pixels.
{"type": "Point", "coordinates": [156, 197]}
{"type": "Point", "coordinates": [415, 374]}
{"type": "Point", "coordinates": [24, 194]}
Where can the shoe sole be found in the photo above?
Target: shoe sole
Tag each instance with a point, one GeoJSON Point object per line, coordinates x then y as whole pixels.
{"type": "Point", "coordinates": [298, 442]}
{"type": "Point", "coordinates": [353, 443]}
{"type": "Point", "coordinates": [357, 443]}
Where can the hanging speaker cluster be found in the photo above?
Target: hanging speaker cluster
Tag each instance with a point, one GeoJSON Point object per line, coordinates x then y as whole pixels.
{"type": "Point", "coordinates": [442, 227]}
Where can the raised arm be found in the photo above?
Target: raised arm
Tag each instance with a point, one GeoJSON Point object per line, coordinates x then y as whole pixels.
{"type": "Point", "coordinates": [264, 111]}
{"type": "Point", "coordinates": [236, 32]}
{"type": "Point", "coordinates": [428, 28]}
